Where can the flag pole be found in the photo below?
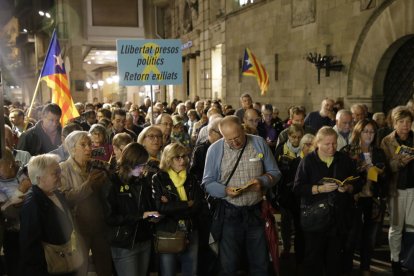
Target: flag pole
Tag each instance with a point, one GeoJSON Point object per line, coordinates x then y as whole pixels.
{"type": "Point", "coordinates": [38, 83]}
{"type": "Point", "coordinates": [152, 107]}
{"type": "Point", "coordinates": [34, 96]}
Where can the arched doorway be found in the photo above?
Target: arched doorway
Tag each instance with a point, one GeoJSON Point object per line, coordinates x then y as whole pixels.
{"type": "Point", "coordinates": [387, 30]}
{"type": "Point", "coordinates": [395, 73]}
{"type": "Point", "coordinates": [399, 80]}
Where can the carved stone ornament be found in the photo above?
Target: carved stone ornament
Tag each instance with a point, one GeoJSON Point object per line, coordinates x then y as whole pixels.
{"type": "Point", "coordinates": [303, 12]}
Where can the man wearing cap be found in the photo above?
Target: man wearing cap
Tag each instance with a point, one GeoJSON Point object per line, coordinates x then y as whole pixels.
{"type": "Point", "coordinates": [179, 133]}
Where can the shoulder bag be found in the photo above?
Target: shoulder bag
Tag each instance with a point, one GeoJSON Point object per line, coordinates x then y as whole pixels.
{"type": "Point", "coordinates": [167, 242]}
{"type": "Point", "coordinates": [63, 258]}
{"type": "Point", "coordinates": [319, 215]}
{"type": "Point", "coordinates": [218, 205]}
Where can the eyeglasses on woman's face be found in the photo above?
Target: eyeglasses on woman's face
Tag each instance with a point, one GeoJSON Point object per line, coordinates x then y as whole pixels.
{"type": "Point", "coordinates": [179, 157]}
{"type": "Point", "coordinates": [153, 137]}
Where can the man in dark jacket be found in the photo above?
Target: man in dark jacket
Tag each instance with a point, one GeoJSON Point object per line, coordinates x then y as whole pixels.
{"type": "Point", "coordinates": [45, 135]}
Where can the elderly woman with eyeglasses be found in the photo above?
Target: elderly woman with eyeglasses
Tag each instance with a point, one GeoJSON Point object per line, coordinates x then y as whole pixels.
{"type": "Point", "coordinates": [128, 206]}
{"type": "Point", "coordinates": [151, 138]}
{"type": "Point", "coordinates": [45, 216]}
{"type": "Point", "coordinates": [81, 185]}
{"type": "Point", "coordinates": [401, 194]}
{"type": "Point", "coordinates": [178, 197]}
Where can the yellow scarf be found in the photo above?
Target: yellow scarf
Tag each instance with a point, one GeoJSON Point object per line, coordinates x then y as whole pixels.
{"type": "Point", "coordinates": [178, 179]}
{"type": "Point", "coordinates": [327, 160]}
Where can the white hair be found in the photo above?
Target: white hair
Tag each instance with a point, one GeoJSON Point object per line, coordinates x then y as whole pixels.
{"type": "Point", "coordinates": [38, 164]}
{"type": "Point", "coordinates": [73, 138]}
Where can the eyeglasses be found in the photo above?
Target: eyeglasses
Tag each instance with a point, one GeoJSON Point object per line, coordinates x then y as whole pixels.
{"type": "Point", "coordinates": [153, 137]}
{"type": "Point", "coordinates": [84, 145]}
{"type": "Point", "coordinates": [255, 121]}
{"type": "Point", "coordinates": [178, 157]}
{"type": "Point", "coordinates": [307, 144]}
{"type": "Point", "coordinates": [140, 166]}
{"type": "Point", "coordinates": [216, 131]}
{"type": "Point", "coordinates": [167, 124]}
{"type": "Point", "coordinates": [368, 132]}
{"type": "Point", "coordinates": [230, 141]}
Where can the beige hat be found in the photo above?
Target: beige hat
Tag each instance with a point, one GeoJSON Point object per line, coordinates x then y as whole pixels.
{"type": "Point", "coordinates": [177, 119]}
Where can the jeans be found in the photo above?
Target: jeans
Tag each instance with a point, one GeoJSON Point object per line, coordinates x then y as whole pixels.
{"type": "Point", "coordinates": [132, 262]}
{"type": "Point", "coordinates": [188, 259]}
{"type": "Point", "coordinates": [243, 231]}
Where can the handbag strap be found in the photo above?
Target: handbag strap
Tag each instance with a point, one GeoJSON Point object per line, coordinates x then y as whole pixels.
{"type": "Point", "coordinates": [237, 163]}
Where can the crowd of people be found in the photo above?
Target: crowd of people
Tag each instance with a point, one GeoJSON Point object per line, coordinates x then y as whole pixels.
{"type": "Point", "coordinates": [132, 189]}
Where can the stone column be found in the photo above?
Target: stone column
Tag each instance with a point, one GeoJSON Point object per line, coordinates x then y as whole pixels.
{"type": "Point", "coordinates": [193, 75]}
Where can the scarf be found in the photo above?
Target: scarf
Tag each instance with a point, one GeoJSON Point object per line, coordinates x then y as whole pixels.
{"type": "Point", "coordinates": [179, 179]}
{"type": "Point", "coordinates": [289, 149]}
{"type": "Point", "coordinates": [327, 160]}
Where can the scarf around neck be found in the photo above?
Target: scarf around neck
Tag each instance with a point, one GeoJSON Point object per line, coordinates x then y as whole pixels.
{"type": "Point", "coordinates": [179, 179]}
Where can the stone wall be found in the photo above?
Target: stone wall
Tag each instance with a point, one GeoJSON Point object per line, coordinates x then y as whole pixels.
{"type": "Point", "coordinates": [281, 33]}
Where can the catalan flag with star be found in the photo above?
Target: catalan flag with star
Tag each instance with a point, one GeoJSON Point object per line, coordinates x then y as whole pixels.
{"type": "Point", "coordinates": [253, 67]}
{"type": "Point", "coordinates": [54, 73]}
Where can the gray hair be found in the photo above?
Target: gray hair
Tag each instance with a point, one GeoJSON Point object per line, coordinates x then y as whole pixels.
{"type": "Point", "coordinates": [358, 106]}
{"type": "Point", "coordinates": [73, 138]}
{"type": "Point", "coordinates": [341, 113]}
{"type": "Point", "coordinates": [159, 118]}
{"type": "Point", "coordinates": [99, 129]}
{"type": "Point", "coordinates": [214, 124]}
{"type": "Point", "coordinates": [38, 164]}
{"type": "Point", "coordinates": [377, 115]}
{"type": "Point", "coordinates": [143, 133]}
{"type": "Point", "coordinates": [307, 138]}
{"type": "Point", "coordinates": [129, 116]}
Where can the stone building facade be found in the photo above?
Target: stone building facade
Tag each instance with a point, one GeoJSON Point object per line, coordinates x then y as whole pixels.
{"type": "Point", "coordinates": [371, 38]}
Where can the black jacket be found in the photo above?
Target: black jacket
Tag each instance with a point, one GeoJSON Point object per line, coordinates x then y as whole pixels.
{"type": "Point", "coordinates": [124, 205]}
{"type": "Point", "coordinates": [41, 220]}
{"type": "Point", "coordinates": [198, 160]}
{"type": "Point", "coordinates": [175, 209]}
{"type": "Point", "coordinates": [36, 141]}
{"type": "Point", "coordinates": [312, 169]}
{"type": "Point", "coordinates": [380, 189]}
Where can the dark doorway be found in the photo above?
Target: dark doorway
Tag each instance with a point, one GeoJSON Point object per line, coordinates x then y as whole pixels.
{"type": "Point", "coordinates": [399, 79]}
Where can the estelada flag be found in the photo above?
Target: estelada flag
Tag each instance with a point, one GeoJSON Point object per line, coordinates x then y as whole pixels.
{"type": "Point", "coordinates": [54, 73]}
{"type": "Point", "coordinates": [253, 67]}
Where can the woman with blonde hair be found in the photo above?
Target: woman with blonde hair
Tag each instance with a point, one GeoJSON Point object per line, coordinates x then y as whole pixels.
{"type": "Point", "coordinates": [178, 198]}
{"type": "Point", "coordinates": [323, 238]}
